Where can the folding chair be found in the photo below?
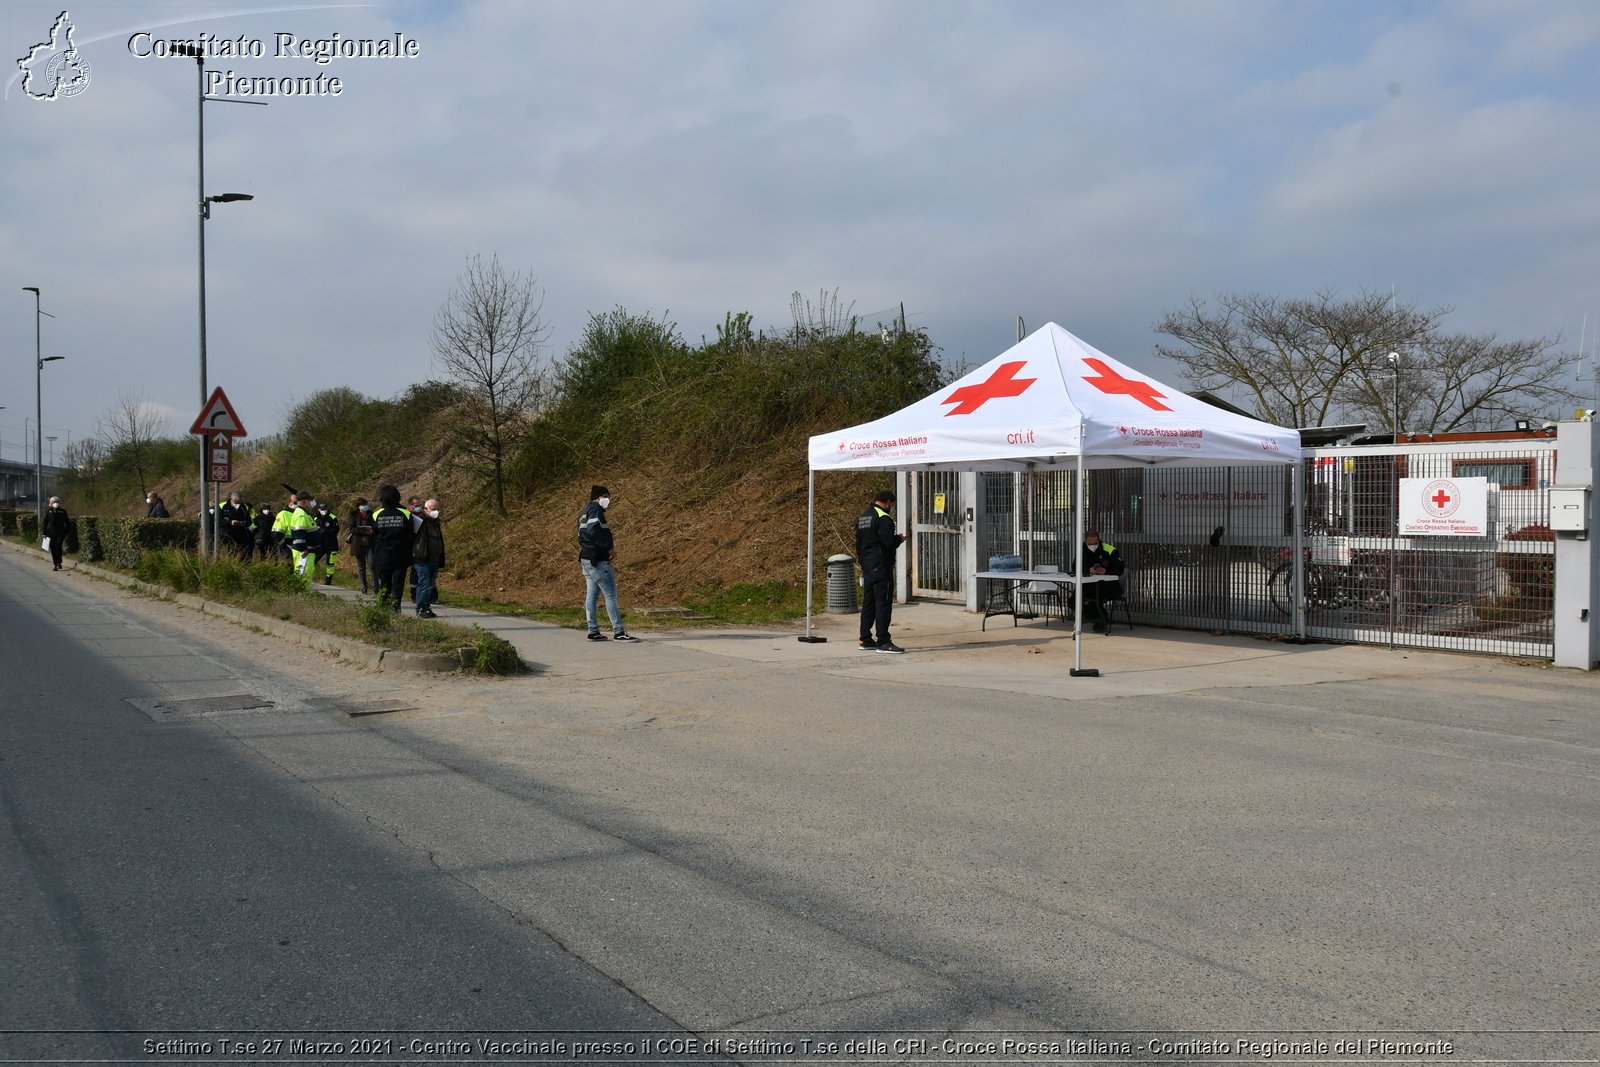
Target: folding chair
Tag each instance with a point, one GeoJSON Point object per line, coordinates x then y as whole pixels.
{"type": "Point", "coordinates": [1049, 592]}
{"type": "Point", "coordinates": [1109, 606]}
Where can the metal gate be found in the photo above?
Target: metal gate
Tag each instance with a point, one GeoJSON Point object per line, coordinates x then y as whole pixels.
{"type": "Point", "coordinates": [937, 535]}
{"type": "Point", "coordinates": [1210, 548]}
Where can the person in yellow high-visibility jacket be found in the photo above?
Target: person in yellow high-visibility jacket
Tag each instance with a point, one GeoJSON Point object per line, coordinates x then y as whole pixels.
{"type": "Point", "coordinates": [280, 527]}
{"type": "Point", "coordinates": [305, 539]}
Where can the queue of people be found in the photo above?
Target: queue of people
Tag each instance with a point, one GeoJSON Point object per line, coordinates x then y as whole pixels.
{"type": "Point", "coordinates": [398, 551]}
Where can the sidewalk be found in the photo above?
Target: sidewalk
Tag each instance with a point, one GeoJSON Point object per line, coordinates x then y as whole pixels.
{"type": "Point", "coordinates": [946, 648]}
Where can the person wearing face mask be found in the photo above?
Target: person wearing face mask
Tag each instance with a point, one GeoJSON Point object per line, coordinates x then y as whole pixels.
{"type": "Point", "coordinates": [261, 531]}
{"type": "Point", "coordinates": [392, 546]}
{"type": "Point", "coordinates": [55, 529]}
{"type": "Point", "coordinates": [154, 508]}
{"type": "Point", "coordinates": [427, 550]}
{"type": "Point", "coordinates": [413, 505]}
{"type": "Point", "coordinates": [327, 550]}
{"type": "Point", "coordinates": [305, 540]}
{"type": "Point", "coordinates": [1100, 557]}
{"type": "Point", "coordinates": [596, 551]}
{"type": "Point", "coordinates": [280, 528]}
{"type": "Point", "coordinates": [358, 535]}
{"type": "Point", "coordinates": [876, 543]}
{"type": "Point", "coordinates": [236, 525]}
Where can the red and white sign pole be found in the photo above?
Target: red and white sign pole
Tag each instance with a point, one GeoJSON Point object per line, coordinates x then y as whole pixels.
{"type": "Point", "coordinates": [218, 424]}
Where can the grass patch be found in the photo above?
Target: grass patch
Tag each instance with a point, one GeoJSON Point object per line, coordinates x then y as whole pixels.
{"type": "Point", "coordinates": [752, 603]}
{"type": "Point", "coordinates": [273, 590]}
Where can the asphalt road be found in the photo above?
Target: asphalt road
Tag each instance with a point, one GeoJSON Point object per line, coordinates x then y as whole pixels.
{"type": "Point", "coordinates": [737, 835]}
{"type": "Point", "coordinates": [158, 876]}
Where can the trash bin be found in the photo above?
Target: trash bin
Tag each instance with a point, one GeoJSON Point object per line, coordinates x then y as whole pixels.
{"type": "Point", "coordinates": [842, 585]}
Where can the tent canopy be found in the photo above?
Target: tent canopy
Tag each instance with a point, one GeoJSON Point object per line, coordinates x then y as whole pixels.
{"type": "Point", "coordinates": [1042, 403]}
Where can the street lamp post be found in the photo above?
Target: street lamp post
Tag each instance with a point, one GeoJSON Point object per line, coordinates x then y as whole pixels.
{"type": "Point", "coordinates": [1394, 500]}
{"type": "Point", "coordinates": [52, 441]}
{"type": "Point", "coordinates": [38, 403]}
{"type": "Point", "coordinates": [196, 53]}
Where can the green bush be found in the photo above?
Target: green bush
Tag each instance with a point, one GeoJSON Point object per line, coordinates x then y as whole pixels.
{"type": "Point", "coordinates": [223, 575]}
{"type": "Point", "coordinates": [494, 654]}
{"type": "Point", "coordinates": [268, 577]}
{"type": "Point", "coordinates": [377, 616]}
{"type": "Point", "coordinates": [89, 534]}
{"type": "Point", "coordinates": [8, 522]}
{"type": "Point", "coordinates": [28, 526]}
{"type": "Point", "coordinates": [124, 540]}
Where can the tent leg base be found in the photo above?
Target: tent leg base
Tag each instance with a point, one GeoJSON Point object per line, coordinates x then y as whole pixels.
{"type": "Point", "coordinates": [811, 639]}
{"type": "Point", "coordinates": [1085, 672]}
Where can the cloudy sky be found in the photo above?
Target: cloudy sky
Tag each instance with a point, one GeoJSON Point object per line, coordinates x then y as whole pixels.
{"type": "Point", "coordinates": [1089, 163]}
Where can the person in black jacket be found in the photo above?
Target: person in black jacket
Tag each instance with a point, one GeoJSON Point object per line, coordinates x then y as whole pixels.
{"type": "Point", "coordinates": [876, 543]}
{"type": "Point", "coordinates": [327, 551]}
{"type": "Point", "coordinates": [596, 550]}
{"type": "Point", "coordinates": [154, 508]}
{"type": "Point", "coordinates": [56, 525]}
{"type": "Point", "coordinates": [1100, 557]}
{"type": "Point", "coordinates": [261, 532]}
{"type": "Point", "coordinates": [393, 530]}
{"type": "Point", "coordinates": [236, 525]}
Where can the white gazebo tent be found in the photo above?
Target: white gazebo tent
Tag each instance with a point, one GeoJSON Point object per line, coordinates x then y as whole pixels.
{"type": "Point", "coordinates": [1053, 401]}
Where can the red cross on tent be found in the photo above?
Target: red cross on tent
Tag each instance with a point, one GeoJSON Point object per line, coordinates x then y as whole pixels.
{"type": "Point", "coordinates": [1112, 383]}
{"type": "Point", "coordinates": [1002, 383]}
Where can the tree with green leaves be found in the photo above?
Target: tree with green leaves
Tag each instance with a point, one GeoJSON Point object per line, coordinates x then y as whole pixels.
{"type": "Point", "coordinates": [1325, 360]}
{"type": "Point", "coordinates": [487, 337]}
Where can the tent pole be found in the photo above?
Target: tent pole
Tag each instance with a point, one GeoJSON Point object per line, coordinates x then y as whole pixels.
{"type": "Point", "coordinates": [811, 554]}
{"type": "Point", "coordinates": [1078, 669]}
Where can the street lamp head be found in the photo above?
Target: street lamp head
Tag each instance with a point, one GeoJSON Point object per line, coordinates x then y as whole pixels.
{"type": "Point", "coordinates": [34, 289]}
{"type": "Point", "coordinates": [51, 359]}
{"type": "Point", "coordinates": [186, 50]}
{"type": "Point", "coordinates": [229, 198]}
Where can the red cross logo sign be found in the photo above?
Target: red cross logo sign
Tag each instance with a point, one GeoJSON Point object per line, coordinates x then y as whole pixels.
{"type": "Point", "coordinates": [1002, 383]}
{"type": "Point", "coordinates": [1112, 383]}
{"type": "Point", "coordinates": [1441, 498]}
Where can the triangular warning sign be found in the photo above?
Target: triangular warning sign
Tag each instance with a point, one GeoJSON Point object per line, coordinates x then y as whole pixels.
{"type": "Point", "coordinates": [218, 417]}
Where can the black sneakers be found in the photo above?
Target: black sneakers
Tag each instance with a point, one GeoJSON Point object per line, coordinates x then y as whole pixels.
{"type": "Point", "coordinates": [867, 646]}
{"type": "Point", "coordinates": [623, 637]}
{"type": "Point", "coordinates": [891, 649]}
{"type": "Point", "coordinates": [596, 635]}
{"type": "Point", "coordinates": [426, 613]}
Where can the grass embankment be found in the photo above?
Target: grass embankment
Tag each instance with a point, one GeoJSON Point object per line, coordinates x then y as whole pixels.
{"type": "Point", "coordinates": [744, 604]}
{"type": "Point", "coordinates": [272, 590]}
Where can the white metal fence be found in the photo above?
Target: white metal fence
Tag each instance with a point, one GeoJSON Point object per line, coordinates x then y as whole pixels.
{"type": "Point", "coordinates": [1209, 548]}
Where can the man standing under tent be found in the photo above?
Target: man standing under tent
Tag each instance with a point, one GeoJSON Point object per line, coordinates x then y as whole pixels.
{"type": "Point", "coordinates": [876, 542]}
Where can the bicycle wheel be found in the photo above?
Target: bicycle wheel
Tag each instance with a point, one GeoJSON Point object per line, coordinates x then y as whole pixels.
{"type": "Point", "coordinates": [1280, 587]}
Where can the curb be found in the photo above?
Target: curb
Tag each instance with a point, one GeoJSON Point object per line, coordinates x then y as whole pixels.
{"type": "Point", "coordinates": [359, 653]}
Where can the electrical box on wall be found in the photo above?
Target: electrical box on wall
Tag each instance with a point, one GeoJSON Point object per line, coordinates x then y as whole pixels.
{"type": "Point", "coordinates": [1569, 509]}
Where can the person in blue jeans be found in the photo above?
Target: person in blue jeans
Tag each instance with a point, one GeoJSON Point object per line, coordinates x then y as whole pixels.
{"type": "Point", "coordinates": [427, 549]}
{"type": "Point", "coordinates": [596, 550]}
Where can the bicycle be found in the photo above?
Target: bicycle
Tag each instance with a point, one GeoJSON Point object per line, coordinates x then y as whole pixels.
{"type": "Point", "coordinates": [1362, 585]}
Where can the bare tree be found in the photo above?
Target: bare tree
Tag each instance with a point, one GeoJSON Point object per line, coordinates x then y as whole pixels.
{"type": "Point", "coordinates": [86, 458]}
{"type": "Point", "coordinates": [487, 337]}
{"type": "Point", "coordinates": [130, 431]}
{"type": "Point", "coordinates": [1321, 360]}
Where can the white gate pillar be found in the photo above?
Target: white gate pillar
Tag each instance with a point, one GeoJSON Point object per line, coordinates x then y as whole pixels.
{"type": "Point", "coordinates": [1577, 575]}
{"type": "Point", "coordinates": [971, 523]}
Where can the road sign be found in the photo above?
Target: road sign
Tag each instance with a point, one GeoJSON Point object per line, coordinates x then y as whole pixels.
{"type": "Point", "coordinates": [222, 472]}
{"type": "Point", "coordinates": [218, 417]}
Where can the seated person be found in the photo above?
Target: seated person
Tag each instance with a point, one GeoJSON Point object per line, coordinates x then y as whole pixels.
{"type": "Point", "coordinates": [1100, 557]}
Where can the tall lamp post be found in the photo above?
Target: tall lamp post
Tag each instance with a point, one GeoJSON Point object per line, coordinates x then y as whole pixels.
{"type": "Point", "coordinates": [196, 53]}
{"type": "Point", "coordinates": [52, 441]}
{"type": "Point", "coordinates": [38, 402]}
{"type": "Point", "coordinates": [1394, 500]}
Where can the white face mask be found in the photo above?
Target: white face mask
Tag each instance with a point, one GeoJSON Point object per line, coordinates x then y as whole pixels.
{"type": "Point", "coordinates": [604, 502]}
{"type": "Point", "coordinates": [434, 514]}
